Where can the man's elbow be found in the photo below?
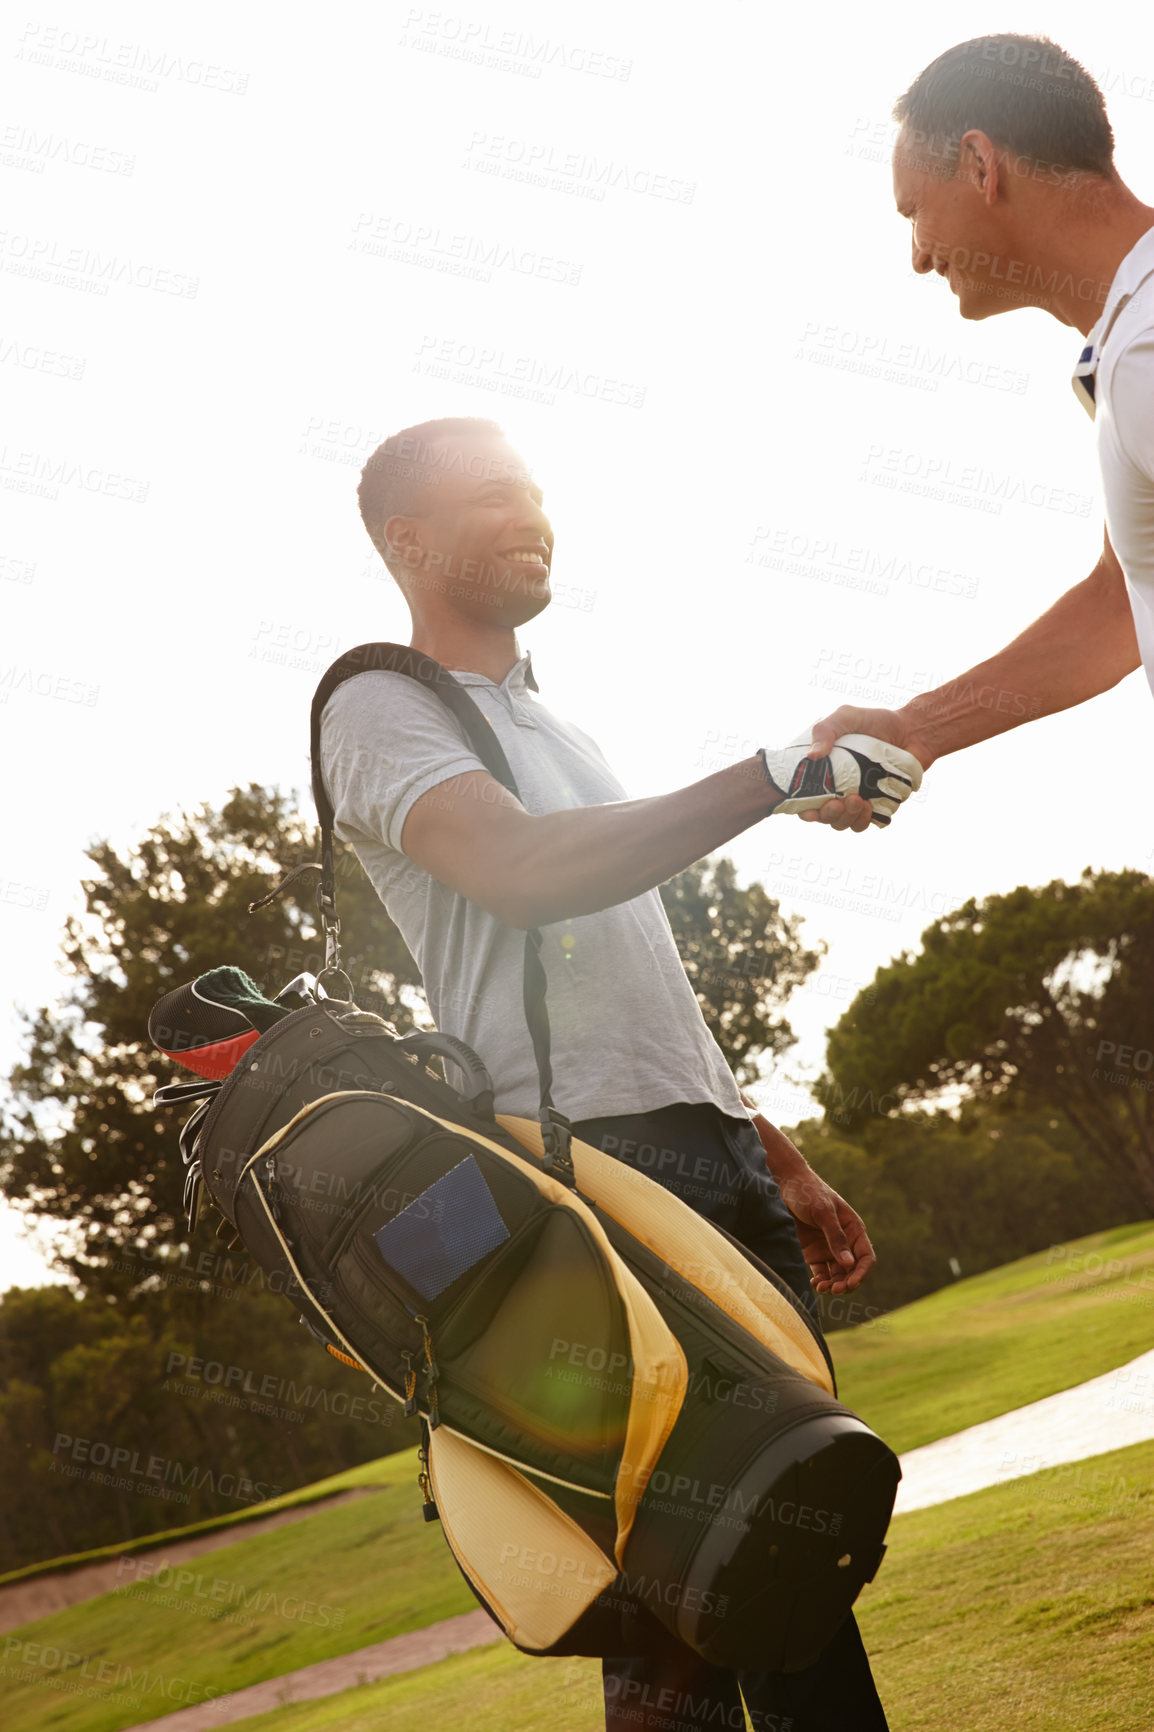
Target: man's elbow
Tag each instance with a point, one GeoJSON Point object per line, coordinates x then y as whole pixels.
{"type": "Point", "coordinates": [524, 909]}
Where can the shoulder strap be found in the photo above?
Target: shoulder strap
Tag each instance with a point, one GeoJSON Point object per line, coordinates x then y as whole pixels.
{"type": "Point", "coordinates": [478, 730]}
{"type": "Point", "coordinates": [402, 659]}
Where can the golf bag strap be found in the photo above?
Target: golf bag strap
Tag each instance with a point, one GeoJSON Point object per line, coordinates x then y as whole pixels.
{"type": "Point", "coordinates": [478, 730]}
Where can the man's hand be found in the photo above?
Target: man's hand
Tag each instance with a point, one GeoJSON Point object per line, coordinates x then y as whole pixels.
{"type": "Point", "coordinates": [877, 775]}
{"type": "Point", "coordinates": [851, 812]}
{"type": "Point", "coordinates": [833, 1238]}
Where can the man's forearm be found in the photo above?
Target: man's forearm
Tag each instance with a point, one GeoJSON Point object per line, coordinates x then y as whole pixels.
{"type": "Point", "coordinates": [1081, 646]}
{"type": "Point", "coordinates": [593, 857]}
{"type": "Point", "coordinates": [783, 1158]}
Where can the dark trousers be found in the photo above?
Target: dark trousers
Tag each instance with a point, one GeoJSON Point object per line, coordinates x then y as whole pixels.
{"type": "Point", "coordinates": [716, 1164]}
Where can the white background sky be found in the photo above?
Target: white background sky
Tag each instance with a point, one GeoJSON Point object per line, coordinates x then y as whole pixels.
{"type": "Point", "coordinates": [231, 259]}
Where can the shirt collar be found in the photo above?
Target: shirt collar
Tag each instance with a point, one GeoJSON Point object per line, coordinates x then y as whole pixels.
{"type": "Point", "coordinates": [1131, 273]}
{"type": "Point", "coordinates": [519, 676]}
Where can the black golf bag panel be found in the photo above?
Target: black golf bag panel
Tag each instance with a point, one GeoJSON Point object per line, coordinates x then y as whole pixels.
{"type": "Point", "coordinates": [631, 1426]}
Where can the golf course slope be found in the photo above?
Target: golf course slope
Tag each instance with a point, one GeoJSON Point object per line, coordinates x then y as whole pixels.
{"type": "Point", "coordinates": [1028, 1605]}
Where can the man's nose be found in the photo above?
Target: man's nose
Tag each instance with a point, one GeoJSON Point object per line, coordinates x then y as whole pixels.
{"type": "Point", "coordinates": [534, 519]}
{"type": "Point", "coordinates": [923, 258]}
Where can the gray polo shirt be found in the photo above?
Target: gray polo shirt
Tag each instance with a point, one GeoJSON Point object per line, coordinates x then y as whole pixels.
{"type": "Point", "coordinates": [627, 1032]}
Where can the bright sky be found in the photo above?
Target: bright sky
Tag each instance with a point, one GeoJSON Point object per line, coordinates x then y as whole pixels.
{"type": "Point", "coordinates": [782, 472]}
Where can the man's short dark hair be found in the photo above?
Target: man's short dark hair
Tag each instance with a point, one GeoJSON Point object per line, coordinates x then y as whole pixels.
{"type": "Point", "coordinates": [399, 475]}
{"type": "Point", "coordinates": [1024, 92]}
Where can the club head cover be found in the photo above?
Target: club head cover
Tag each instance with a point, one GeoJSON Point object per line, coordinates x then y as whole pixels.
{"type": "Point", "coordinates": [209, 1023]}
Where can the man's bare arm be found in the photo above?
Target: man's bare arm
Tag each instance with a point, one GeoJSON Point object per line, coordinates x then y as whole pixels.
{"type": "Point", "coordinates": [472, 835]}
{"type": "Point", "coordinates": [833, 1238]}
{"type": "Point", "coordinates": [1081, 646]}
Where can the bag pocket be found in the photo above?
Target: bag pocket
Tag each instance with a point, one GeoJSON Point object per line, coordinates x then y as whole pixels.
{"type": "Point", "coordinates": [541, 1341]}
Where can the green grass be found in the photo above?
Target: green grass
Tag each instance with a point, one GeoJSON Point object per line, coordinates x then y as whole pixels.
{"type": "Point", "coordinates": [371, 1568]}
{"type": "Point", "coordinates": [361, 1573]}
{"type": "Point", "coordinates": [381, 1472]}
{"type": "Point", "coordinates": [1025, 1608]}
{"type": "Point", "coordinates": [1000, 1340]}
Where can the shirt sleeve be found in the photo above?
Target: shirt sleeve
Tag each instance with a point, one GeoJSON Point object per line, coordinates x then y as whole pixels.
{"type": "Point", "coordinates": [1132, 401]}
{"type": "Point", "coordinates": [384, 743]}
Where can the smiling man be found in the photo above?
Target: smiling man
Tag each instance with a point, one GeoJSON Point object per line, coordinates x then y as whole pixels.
{"type": "Point", "coordinates": [1004, 167]}
{"type": "Point", "coordinates": [464, 869]}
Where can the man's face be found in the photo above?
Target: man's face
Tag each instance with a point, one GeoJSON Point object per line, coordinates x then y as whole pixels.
{"type": "Point", "coordinates": [958, 232]}
{"type": "Point", "coordinates": [482, 538]}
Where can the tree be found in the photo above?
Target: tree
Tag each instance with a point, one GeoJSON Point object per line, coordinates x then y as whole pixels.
{"type": "Point", "coordinates": [942, 1192]}
{"type": "Point", "coordinates": [743, 957]}
{"type": "Point", "coordinates": [1043, 997]}
{"type": "Point", "coordinates": [81, 1142]}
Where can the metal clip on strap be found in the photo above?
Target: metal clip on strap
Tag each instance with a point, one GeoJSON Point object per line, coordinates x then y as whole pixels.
{"type": "Point", "coordinates": [557, 1142]}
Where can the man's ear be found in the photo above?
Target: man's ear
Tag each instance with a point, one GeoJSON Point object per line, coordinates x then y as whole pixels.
{"type": "Point", "coordinates": [402, 536]}
{"type": "Point", "coordinates": [979, 162]}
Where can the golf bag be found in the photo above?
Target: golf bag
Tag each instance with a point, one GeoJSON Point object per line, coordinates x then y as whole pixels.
{"type": "Point", "coordinates": [626, 1419]}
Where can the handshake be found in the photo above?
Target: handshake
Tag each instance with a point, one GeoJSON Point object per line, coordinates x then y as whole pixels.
{"type": "Point", "coordinates": [858, 764]}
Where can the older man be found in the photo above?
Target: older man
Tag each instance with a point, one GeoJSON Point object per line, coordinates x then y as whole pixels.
{"type": "Point", "coordinates": [1004, 167]}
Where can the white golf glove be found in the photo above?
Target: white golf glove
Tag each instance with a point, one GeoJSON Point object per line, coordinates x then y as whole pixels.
{"type": "Point", "coordinates": [858, 764]}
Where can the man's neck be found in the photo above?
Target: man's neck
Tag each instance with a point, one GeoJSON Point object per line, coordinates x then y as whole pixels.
{"type": "Point", "coordinates": [1085, 256]}
{"type": "Point", "coordinates": [456, 644]}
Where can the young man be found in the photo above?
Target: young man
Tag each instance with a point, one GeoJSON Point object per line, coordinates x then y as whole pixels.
{"type": "Point", "coordinates": [1004, 166]}
{"type": "Point", "coordinates": [463, 868]}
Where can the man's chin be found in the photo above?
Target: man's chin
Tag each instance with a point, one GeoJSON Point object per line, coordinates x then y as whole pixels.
{"type": "Point", "coordinates": [512, 610]}
{"type": "Point", "coordinates": [985, 300]}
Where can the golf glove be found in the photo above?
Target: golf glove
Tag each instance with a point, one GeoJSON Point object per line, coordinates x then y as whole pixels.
{"type": "Point", "coordinates": [858, 764]}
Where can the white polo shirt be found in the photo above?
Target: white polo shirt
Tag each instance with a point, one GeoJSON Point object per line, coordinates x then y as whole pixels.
{"type": "Point", "coordinates": [627, 1031]}
{"type": "Point", "coordinates": [1124, 417]}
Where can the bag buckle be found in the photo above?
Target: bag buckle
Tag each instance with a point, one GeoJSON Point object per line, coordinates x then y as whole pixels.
{"type": "Point", "coordinates": [556, 1143]}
